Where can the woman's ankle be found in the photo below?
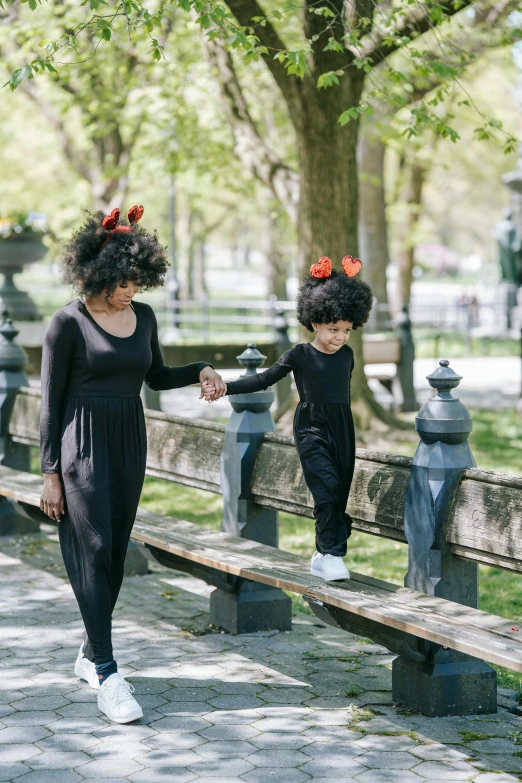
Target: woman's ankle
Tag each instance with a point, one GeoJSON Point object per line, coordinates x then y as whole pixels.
{"type": "Point", "coordinates": [104, 670]}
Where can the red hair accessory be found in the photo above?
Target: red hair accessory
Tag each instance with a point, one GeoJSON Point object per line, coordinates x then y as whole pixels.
{"type": "Point", "coordinates": [351, 266]}
{"type": "Point", "coordinates": [135, 213]}
{"type": "Point", "coordinates": [322, 269]}
{"type": "Point", "coordinates": [111, 221]}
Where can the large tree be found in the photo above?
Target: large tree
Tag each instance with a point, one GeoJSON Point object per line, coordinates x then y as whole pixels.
{"type": "Point", "coordinates": [320, 57]}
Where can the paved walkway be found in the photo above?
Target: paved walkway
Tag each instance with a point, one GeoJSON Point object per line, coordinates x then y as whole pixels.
{"type": "Point", "coordinates": [311, 704]}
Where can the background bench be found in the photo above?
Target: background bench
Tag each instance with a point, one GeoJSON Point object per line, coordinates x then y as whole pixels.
{"type": "Point", "coordinates": [433, 624]}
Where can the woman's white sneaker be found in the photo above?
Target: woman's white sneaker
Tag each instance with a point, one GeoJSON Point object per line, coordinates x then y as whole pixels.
{"type": "Point", "coordinates": [316, 564]}
{"type": "Point", "coordinates": [86, 670]}
{"type": "Point", "coordinates": [333, 568]}
{"type": "Point", "coordinates": [115, 699]}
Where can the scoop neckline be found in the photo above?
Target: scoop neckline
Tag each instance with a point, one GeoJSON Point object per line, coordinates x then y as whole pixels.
{"type": "Point", "coordinates": [323, 353]}
{"type": "Point", "coordinates": [109, 334]}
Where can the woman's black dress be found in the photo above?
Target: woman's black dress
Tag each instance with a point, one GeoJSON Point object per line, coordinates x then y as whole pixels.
{"type": "Point", "coordinates": [323, 431]}
{"type": "Point", "coordinates": [93, 433]}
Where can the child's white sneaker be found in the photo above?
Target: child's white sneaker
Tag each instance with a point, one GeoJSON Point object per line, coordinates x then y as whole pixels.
{"type": "Point", "coordinates": [316, 564]}
{"type": "Point", "coordinates": [115, 699]}
{"type": "Point", "coordinates": [333, 568]}
{"type": "Point", "coordinates": [86, 670]}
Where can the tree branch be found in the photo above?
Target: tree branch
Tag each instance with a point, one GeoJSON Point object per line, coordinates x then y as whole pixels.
{"type": "Point", "coordinates": [376, 45]}
{"type": "Point", "coordinates": [474, 38]}
{"type": "Point", "coordinates": [250, 148]}
{"type": "Point", "coordinates": [54, 120]}
{"type": "Point", "coordinates": [289, 85]}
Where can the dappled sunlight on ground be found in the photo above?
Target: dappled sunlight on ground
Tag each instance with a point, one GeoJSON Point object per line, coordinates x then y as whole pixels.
{"type": "Point", "coordinates": [313, 703]}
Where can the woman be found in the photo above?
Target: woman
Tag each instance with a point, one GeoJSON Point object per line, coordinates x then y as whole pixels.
{"type": "Point", "coordinates": [97, 352]}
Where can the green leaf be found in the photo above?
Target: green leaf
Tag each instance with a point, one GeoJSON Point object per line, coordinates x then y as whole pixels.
{"type": "Point", "coordinates": [348, 115]}
{"type": "Point", "coordinates": [324, 11]}
{"type": "Point", "coordinates": [204, 21]}
{"type": "Point", "coordinates": [106, 33]}
{"type": "Point", "coordinates": [328, 79]}
{"type": "Point", "coordinates": [19, 76]}
{"type": "Point", "coordinates": [333, 45]}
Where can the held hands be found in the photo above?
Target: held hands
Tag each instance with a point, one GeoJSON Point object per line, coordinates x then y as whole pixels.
{"type": "Point", "coordinates": [209, 391]}
{"type": "Point", "coordinates": [212, 385]}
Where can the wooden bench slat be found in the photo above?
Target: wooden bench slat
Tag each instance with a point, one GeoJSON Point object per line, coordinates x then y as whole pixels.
{"type": "Point", "coordinates": [443, 622]}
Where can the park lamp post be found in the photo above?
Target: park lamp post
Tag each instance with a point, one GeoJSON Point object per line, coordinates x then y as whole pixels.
{"type": "Point", "coordinates": [513, 181]}
{"type": "Point", "coordinates": [172, 334]}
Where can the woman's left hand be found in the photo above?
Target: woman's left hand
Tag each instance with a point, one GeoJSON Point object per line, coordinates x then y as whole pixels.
{"type": "Point", "coordinates": [208, 374]}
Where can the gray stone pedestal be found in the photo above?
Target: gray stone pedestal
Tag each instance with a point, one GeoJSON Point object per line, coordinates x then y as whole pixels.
{"type": "Point", "coordinates": [432, 679]}
{"type": "Point", "coordinates": [446, 683]}
{"type": "Point", "coordinates": [13, 455]}
{"type": "Point", "coordinates": [252, 607]}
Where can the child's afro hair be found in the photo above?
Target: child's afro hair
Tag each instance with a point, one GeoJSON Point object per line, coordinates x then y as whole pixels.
{"type": "Point", "coordinates": [336, 298]}
{"type": "Point", "coordinates": [90, 266]}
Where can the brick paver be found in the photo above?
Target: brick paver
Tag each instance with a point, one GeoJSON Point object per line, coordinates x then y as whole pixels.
{"type": "Point", "coordinates": [218, 708]}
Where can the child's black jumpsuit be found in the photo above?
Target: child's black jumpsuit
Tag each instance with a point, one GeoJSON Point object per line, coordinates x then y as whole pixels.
{"type": "Point", "coordinates": [93, 434]}
{"type": "Point", "coordinates": [323, 431]}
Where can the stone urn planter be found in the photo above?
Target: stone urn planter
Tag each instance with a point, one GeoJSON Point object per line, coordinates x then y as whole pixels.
{"type": "Point", "coordinates": [16, 251]}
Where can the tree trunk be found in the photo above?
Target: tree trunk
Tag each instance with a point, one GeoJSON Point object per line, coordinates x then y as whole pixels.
{"type": "Point", "coordinates": [196, 256]}
{"type": "Point", "coordinates": [373, 228]}
{"type": "Point", "coordinates": [328, 206]}
{"type": "Point", "coordinates": [278, 264]}
{"type": "Point", "coordinates": [412, 198]}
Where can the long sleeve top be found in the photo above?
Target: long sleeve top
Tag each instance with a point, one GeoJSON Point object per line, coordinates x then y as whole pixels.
{"type": "Point", "coordinates": [80, 358]}
{"type": "Point", "coordinates": [320, 377]}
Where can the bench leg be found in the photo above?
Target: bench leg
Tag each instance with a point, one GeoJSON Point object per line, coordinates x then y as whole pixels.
{"type": "Point", "coordinates": [13, 520]}
{"type": "Point", "coordinates": [426, 678]}
{"type": "Point", "coordinates": [446, 683]}
{"type": "Point", "coordinates": [253, 607]}
{"type": "Point", "coordinates": [136, 563]}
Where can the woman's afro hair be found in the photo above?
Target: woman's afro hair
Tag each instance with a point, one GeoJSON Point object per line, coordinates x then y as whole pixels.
{"type": "Point", "coordinates": [336, 298]}
{"type": "Point", "coordinates": [90, 266]}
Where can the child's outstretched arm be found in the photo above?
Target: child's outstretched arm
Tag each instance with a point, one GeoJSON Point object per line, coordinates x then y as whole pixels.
{"type": "Point", "coordinates": [252, 383]}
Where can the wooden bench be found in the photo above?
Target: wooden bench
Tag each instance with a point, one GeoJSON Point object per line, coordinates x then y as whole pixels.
{"type": "Point", "coordinates": [437, 620]}
{"type": "Point", "coordinates": [426, 631]}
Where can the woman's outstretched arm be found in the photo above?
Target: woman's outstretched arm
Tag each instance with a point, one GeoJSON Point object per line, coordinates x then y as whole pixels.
{"type": "Point", "coordinates": [161, 377]}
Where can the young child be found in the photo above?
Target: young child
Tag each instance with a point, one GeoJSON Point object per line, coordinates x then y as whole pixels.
{"type": "Point", "coordinates": [330, 304]}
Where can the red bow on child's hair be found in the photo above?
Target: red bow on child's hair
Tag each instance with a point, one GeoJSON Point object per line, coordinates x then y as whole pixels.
{"type": "Point", "coordinates": [111, 221]}
{"type": "Point", "coordinates": [351, 266]}
{"type": "Point", "coordinates": [323, 268]}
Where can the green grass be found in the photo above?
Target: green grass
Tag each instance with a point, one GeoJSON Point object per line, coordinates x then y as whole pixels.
{"type": "Point", "coordinates": [496, 440]}
{"type": "Point", "coordinates": [432, 342]}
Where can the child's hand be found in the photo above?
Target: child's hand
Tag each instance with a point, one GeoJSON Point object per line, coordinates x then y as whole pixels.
{"type": "Point", "coordinates": [210, 393]}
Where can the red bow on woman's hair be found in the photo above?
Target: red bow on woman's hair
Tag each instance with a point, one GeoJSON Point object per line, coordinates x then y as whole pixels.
{"type": "Point", "coordinates": [111, 221]}
{"type": "Point", "coordinates": [323, 268]}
